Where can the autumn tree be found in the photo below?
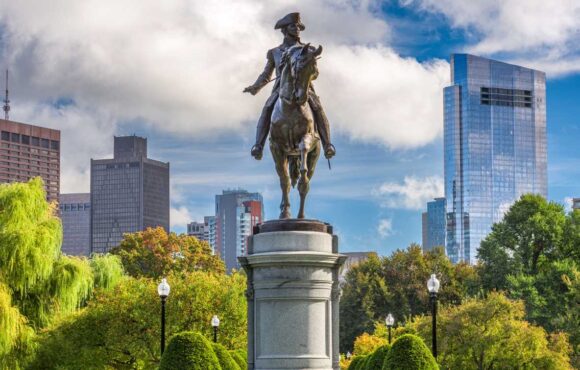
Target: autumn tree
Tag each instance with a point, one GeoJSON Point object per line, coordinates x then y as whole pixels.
{"type": "Point", "coordinates": [155, 253]}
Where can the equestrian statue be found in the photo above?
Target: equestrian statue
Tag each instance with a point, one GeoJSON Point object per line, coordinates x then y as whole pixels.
{"type": "Point", "coordinates": [292, 114]}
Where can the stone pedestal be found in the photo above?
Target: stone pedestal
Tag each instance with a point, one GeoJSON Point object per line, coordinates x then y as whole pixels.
{"type": "Point", "coordinates": [293, 296]}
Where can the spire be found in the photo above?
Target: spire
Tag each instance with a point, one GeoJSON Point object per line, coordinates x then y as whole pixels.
{"type": "Point", "coordinates": [6, 106]}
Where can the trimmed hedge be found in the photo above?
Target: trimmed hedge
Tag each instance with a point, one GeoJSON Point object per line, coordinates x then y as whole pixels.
{"type": "Point", "coordinates": [243, 364]}
{"type": "Point", "coordinates": [409, 352]}
{"type": "Point", "coordinates": [191, 351]}
{"type": "Point", "coordinates": [244, 354]}
{"type": "Point", "coordinates": [377, 358]}
{"type": "Point", "coordinates": [356, 361]}
{"type": "Point", "coordinates": [225, 359]}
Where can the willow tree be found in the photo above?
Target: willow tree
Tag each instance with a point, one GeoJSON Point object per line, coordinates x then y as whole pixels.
{"type": "Point", "coordinates": [38, 283]}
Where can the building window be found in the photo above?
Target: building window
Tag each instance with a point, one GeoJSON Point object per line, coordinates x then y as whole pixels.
{"type": "Point", "coordinates": [44, 143]}
{"type": "Point", "coordinates": [54, 145]}
{"type": "Point", "coordinates": [26, 139]}
{"type": "Point", "coordinates": [35, 141]}
{"type": "Point", "coordinates": [5, 135]}
{"type": "Point", "coordinates": [15, 138]}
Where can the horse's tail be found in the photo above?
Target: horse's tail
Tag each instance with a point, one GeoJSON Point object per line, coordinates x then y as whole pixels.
{"type": "Point", "coordinates": [294, 168]}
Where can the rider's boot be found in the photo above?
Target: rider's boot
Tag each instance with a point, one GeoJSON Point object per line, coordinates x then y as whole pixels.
{"type": "Point", "coordinates": [324, 132]}
{"type": "Point", "coordinates": [262, 132]}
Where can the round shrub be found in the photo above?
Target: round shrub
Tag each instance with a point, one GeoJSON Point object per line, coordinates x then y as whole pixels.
{"type": "Point", "coordinates": [244, 354]}
{"type": "Point", "coordinates": [377, 358]}
{"type": "Point", "coordinates": [409, 353]}
{"type": "Point", "coordinates": [225, 359]}
{"type": "Point", "coordinates": [356, 361]}
{"type": "Point", "coordinates": [243, 364]}
{"type": "Point", "coordinates": [189, 351]}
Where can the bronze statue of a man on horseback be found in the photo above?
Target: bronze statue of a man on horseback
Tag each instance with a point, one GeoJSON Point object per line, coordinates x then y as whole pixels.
{"type": "Point", "coordinates": [292, 114]}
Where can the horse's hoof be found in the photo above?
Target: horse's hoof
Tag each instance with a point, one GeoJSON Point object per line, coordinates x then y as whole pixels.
{"type": "Point", "coordinates": [301, 215]}
{"type": "Point", "coordinates": [285, 215]}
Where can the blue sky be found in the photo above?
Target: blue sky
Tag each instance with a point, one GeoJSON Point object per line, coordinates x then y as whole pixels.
{"type": "Point", "coordinates": [174, 72]}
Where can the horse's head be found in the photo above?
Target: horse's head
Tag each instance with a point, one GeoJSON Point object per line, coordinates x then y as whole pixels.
{"type": "Point", "coordinates": [303, 70]}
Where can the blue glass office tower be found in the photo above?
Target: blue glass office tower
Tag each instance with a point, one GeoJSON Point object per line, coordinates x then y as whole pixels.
{"type": "Point", "coordinates": [434, 224]}
{"type": "Point", "coordinates": [495, 146]}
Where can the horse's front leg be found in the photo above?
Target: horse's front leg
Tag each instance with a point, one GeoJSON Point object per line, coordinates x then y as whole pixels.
{"type": "Point", "coordinates": [281, 162]}
{"type": "Point", "coordinates": [304, 183]}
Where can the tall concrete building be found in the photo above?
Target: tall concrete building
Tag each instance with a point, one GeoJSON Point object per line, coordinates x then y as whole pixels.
{"type": "Point", "coordinates": [203, 230]}
{"type": "Point", "coordinates": [434, 224]}
{"type": "Point", "coordinates": [129, 193]}
{"type": "Point", "coordinates": [236, 213]}
{"type": "Point", "coordinates": [75, 214]}
{"type": "Point", "coordinates": [28, 151]}
{"type": "Point", "coordinates": [495, 146]}
{"type": "Point", "coordinates": [576, 203]}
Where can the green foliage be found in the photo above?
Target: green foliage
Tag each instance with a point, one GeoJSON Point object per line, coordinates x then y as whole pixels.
{"type": "Point", "coordinates": [377, 358]}
{"type": "Point", "coordinates": [224, 357]}
{"type": "Point", "coordinates": [356, 363]}
{"type": "Point", "coordinates": [154, 253]}
{"type": "Point", "coordinates": [409, 353]}
{"type": "Point", "coordinates": [492, 333]}
{"type": "Point", "coordinates": [30, 236]}
{"type": "Point", "coordinates": [397, 285]}
{"type": "Point", "coordinates": [532, 229]}
{"type": "Point", "coordinates": [15, 334]}
{"type": "Point", "coordinates": [107, 270]}
{"type": "Point", "coordinates": [124, 322]}
{"type": "Point", "coordinates": [366, 344]}
{"type": "Point", "coordinates": [190, 351]}
{"type": "Point", "coordinates": [239, 359]}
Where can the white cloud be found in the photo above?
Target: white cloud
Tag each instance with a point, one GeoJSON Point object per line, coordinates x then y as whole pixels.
{"type": "Point", "coordinates": [179, 217]}
{"type": "Point", "coordinates": [385, 227]}
{"type": "Point", "coordinates": [413, 193]}
{"type": "Point", "coordinates": [538, 33]}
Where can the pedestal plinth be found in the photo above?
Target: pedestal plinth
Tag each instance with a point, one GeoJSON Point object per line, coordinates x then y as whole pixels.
{"type": "Point", "coordinates": [293, 295]}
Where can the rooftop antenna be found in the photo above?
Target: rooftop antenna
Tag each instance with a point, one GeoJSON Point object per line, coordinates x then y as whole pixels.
{"type": "Point", "coordinates": [6, 106]}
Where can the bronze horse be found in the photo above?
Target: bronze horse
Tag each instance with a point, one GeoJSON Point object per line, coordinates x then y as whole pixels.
{"type": "Point", "coordinates": [294, 142]}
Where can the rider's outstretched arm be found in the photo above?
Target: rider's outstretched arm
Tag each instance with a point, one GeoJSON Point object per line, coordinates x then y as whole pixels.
{"type": "Point", "coordinates": [265, 76]}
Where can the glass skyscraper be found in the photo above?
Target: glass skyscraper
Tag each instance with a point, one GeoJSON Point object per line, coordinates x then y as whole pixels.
{"type": "Point", "coordinates": [495, 146]}
{"type": "Point", "coordinates": [434, 224]}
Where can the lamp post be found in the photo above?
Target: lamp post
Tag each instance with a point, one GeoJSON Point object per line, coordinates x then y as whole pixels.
{"type": "Point", "coordinates": [215, 322]}
{"type": "Point", "coordinates": [390, 322]}
{"type": "Point", "coordinates": [163, 291]}
{"type": "Point", "coordinates": [433, 287]}
{"type": "Point", "coordinates": [348, 355]}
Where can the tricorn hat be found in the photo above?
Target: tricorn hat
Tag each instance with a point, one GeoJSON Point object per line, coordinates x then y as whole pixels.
{"type": "Point", "coordinates": [289, 19]}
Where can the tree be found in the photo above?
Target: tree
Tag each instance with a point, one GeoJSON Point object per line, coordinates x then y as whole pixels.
{"type": "Point", "coordinates": [38, 285]}
{"type": "Point", "coordinates": [532, 229]}
{"type": "Point", "coordinates": [189, 350]}
{"type": "Point", "coordinates": [409, 353]}
{"type": "Point", "coordinates": [491, 333]}
{"type": "Point", "coordinates": [366, 344]}
{"type": "Point", "coordinates": [397, 285]}
{"type": "Point", "coordinates": [154, 253]}
{"type": "Point", "coordinates": [124, 323]}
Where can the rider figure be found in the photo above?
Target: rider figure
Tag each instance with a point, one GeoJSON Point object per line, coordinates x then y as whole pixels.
{"type": "Point", "coordinates": [291, 27]}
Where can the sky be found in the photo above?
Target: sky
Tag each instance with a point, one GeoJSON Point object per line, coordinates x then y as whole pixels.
{"type": "Point", "coordinates": [174, 70]}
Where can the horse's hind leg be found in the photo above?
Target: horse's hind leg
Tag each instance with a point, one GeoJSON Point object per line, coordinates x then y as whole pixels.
{"type": "Point", "coordinates": [281, 162]}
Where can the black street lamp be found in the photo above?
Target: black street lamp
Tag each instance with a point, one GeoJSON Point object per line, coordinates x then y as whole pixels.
{"type": "Point", "coordinates": [390, 322]}
{"type": "Point", "coordinates": [163, 291]}
{"type": "Point", "coordinates": [433, 287]}
{"type": "Point", "coordinates": [215, 322]}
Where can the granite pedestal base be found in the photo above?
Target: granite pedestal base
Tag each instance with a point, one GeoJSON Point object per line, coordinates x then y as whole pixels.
{"type": "Point", "coordinates": [293, 295]}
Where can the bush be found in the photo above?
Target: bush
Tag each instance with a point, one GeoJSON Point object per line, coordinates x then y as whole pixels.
{"type": "Point", "coordinates": [377, 358]}
{"type": "Point", "coordinates": [189, 351]}
{"type": "Point", "coordinates": [239, 359]}
{"type": "Point", "coordinates": [356, 361]}
{"type": "Point", "coordinates": [409, 353]}
{"type": "Point", "coordinates": [244, 354]}
{"type": "Point", "coordinates": [225, 359]}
